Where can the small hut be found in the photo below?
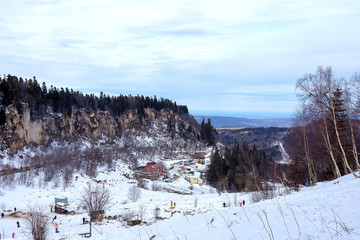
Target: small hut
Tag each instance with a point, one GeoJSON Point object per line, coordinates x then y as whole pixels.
{"type": "Point", "coordinates": [60, 204]}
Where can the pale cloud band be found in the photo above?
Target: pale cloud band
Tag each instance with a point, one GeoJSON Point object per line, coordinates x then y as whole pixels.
{"type": "Point", "coordinates": [199, 53]}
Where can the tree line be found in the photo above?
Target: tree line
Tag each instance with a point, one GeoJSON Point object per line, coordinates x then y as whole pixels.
{"type": "Point", "coordinates": [324, 141]}
{"type": "Point", "coordinates": [14, 90]}
{"type": "Point", "coordinates": [239, 168]}
{"type": "Point", "coordinates": [208, 133]}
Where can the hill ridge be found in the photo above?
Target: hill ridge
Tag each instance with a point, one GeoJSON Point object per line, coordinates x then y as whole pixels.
{"type": "Point", "coordinates": [238, 122]}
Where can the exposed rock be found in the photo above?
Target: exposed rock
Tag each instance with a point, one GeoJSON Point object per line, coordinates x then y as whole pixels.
{"type": "Point", "coordinates": [23, 129]}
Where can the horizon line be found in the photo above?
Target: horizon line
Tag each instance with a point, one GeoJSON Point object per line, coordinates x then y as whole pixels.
{"type": "Point", "coordinates": [242, 114]}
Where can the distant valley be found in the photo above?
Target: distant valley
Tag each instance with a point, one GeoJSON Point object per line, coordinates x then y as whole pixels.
{"type": "Point", "coordinates": [269, 139]}
{"type": "Point", "coordinates": [267, 134]}
{"type": "Point", "coordinates": [235, 122]}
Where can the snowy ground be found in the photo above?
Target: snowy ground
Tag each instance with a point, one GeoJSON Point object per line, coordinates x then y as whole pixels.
{"type": "Point", "coordinates": [326, 211]}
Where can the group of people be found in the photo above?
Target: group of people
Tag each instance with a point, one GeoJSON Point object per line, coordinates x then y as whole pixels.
{"type": "Point", "coordinates": [241, 203]}
{"type": "Point", "coordinates": [17, 224]}
{"type": "Point", "coordinates": [56, 225]}
{"type": "Point", "coordinates": [3, 214]}
{"type": "Point", "coordinates": [172, 204]}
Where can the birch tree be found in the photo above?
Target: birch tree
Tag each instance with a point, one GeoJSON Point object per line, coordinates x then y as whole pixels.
{"type": "Point", "coordinates": [304, 121]}
{"type": "Point", "coordinates": [319, 90]}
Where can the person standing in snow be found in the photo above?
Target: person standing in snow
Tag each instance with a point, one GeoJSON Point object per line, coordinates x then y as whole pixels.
{"type": "Point", "coordinates": [18, 224]}
{"type": "Point", "coordinates": [243, 202]}
{"type": "Point", "coordinates": [171, 203]}
{"type": "Point", "coordinates": [13, 235]}
{"type": "Point", "coordinates": [56, 228]}
{"type": "Point", "coordinates": [2, 215]}
{"type": "Point", "coordinates": [224, 204]}
{"type": "Point", "coordinates": [14, 209]}
{"type": "Point", "coordinates": [174, 204]}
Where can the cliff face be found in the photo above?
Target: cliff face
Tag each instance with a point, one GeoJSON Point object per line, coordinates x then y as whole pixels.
{"type": "Point", "coordinates": [20, 130]}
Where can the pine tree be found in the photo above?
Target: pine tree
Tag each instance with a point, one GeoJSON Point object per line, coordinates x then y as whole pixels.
{"type": "Point", "coordinates": [296, 173]}
{"type": "Point", "coordinates": [215, 168]}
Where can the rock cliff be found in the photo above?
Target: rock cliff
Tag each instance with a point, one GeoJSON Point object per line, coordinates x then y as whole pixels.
{"type": "Point", "coordinates": [21, 129]}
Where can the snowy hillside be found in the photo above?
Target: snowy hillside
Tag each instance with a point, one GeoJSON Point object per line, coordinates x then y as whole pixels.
{"type": "Point", "coordinates": [326, 211]}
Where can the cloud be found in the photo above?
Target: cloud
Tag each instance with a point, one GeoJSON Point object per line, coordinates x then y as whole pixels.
{"type": "Point", "coordinates": [189, 51]}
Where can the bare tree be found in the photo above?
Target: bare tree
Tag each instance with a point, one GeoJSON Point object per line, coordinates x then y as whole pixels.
{"type": "Point", "coordinates": [304, 119]}
{"type": "Point", "coordinates": [321, 91]}
{"type": "Point", "coordinates": [3, 205]}
{"type": "Point", "coordinates": [142, 183]}
{"type": "Point", "coordinates": [352, 101]}
{"type": "Point", "coordinates": [127, 215]}
{"type": "Point", "coordinates": [235, 198]}
{"type": "Point", "coordinates": [134, 193]}
{"type": "Point", "coordinates": [96, 199]}
{"type": "Point", "coordinates": [325, 133]}
{"type": "Point", "coordinates": [156, 186]}
{"type": "Point", "coordinates": [141, 211]}
{"type": "Point", "coordinates": [68, 174]}
{"type": "Point", "coordinates": [157, 212]}
{"type": "Point", "coordinates": [36, 224]}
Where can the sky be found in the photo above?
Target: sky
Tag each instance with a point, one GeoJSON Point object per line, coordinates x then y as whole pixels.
{"type": "Point", "coordinates": [228, 58]}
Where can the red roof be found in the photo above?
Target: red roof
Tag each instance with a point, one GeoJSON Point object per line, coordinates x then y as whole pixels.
{"type": "Point", "coordinates": [154, 168]}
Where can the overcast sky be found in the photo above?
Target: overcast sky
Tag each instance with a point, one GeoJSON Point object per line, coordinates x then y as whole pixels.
{"type": "Point", "coordinates": [228, 57]}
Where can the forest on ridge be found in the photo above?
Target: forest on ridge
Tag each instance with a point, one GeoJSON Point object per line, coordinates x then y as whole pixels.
{"type": "Point", "coordinates": [322, 145]}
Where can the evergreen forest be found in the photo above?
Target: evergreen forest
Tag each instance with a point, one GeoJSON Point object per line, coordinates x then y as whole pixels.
{"type": "Point", "coordinates": [14, 90]}
{"type": "Point", "coordinates": [241, 168]}
{"type": "Point", "coordinates": [18, 91]}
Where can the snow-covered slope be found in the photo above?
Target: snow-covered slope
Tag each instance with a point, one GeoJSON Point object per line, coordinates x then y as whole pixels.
{"type": "Point", "coordinates": [326, 211]}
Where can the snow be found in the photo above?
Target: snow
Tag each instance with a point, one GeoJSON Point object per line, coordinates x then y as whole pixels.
{"type": "Point", "coordinates": [285, 156]}
{"type": "Point", "coordinates": [328, 210]}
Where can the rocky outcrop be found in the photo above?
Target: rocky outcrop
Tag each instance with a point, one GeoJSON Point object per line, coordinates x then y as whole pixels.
{"type": "Point", "coordinates": [21, 129]}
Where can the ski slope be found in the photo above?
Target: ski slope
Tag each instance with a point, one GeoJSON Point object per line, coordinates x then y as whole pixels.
{"type": "Point", "coordinates": [327, 211]}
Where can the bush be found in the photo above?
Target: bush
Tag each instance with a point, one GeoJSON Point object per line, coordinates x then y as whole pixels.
{"type": "Point", "coordinates": [256, 197]}
{"type": "Point", "coordinates": [36, 224]}
{"type": "Point", "coordinates": [142, 183]}
{"type": "Point", "coordinates": [157, 212]}
{"type": "Point", "coordinates": [127, 216]}
{"type": "Point", "coordinates": [156, 186]}
{"type": "Point", "coordinates": [96, 199]}
{"type": "Point", "coordinates": [134, 193]}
